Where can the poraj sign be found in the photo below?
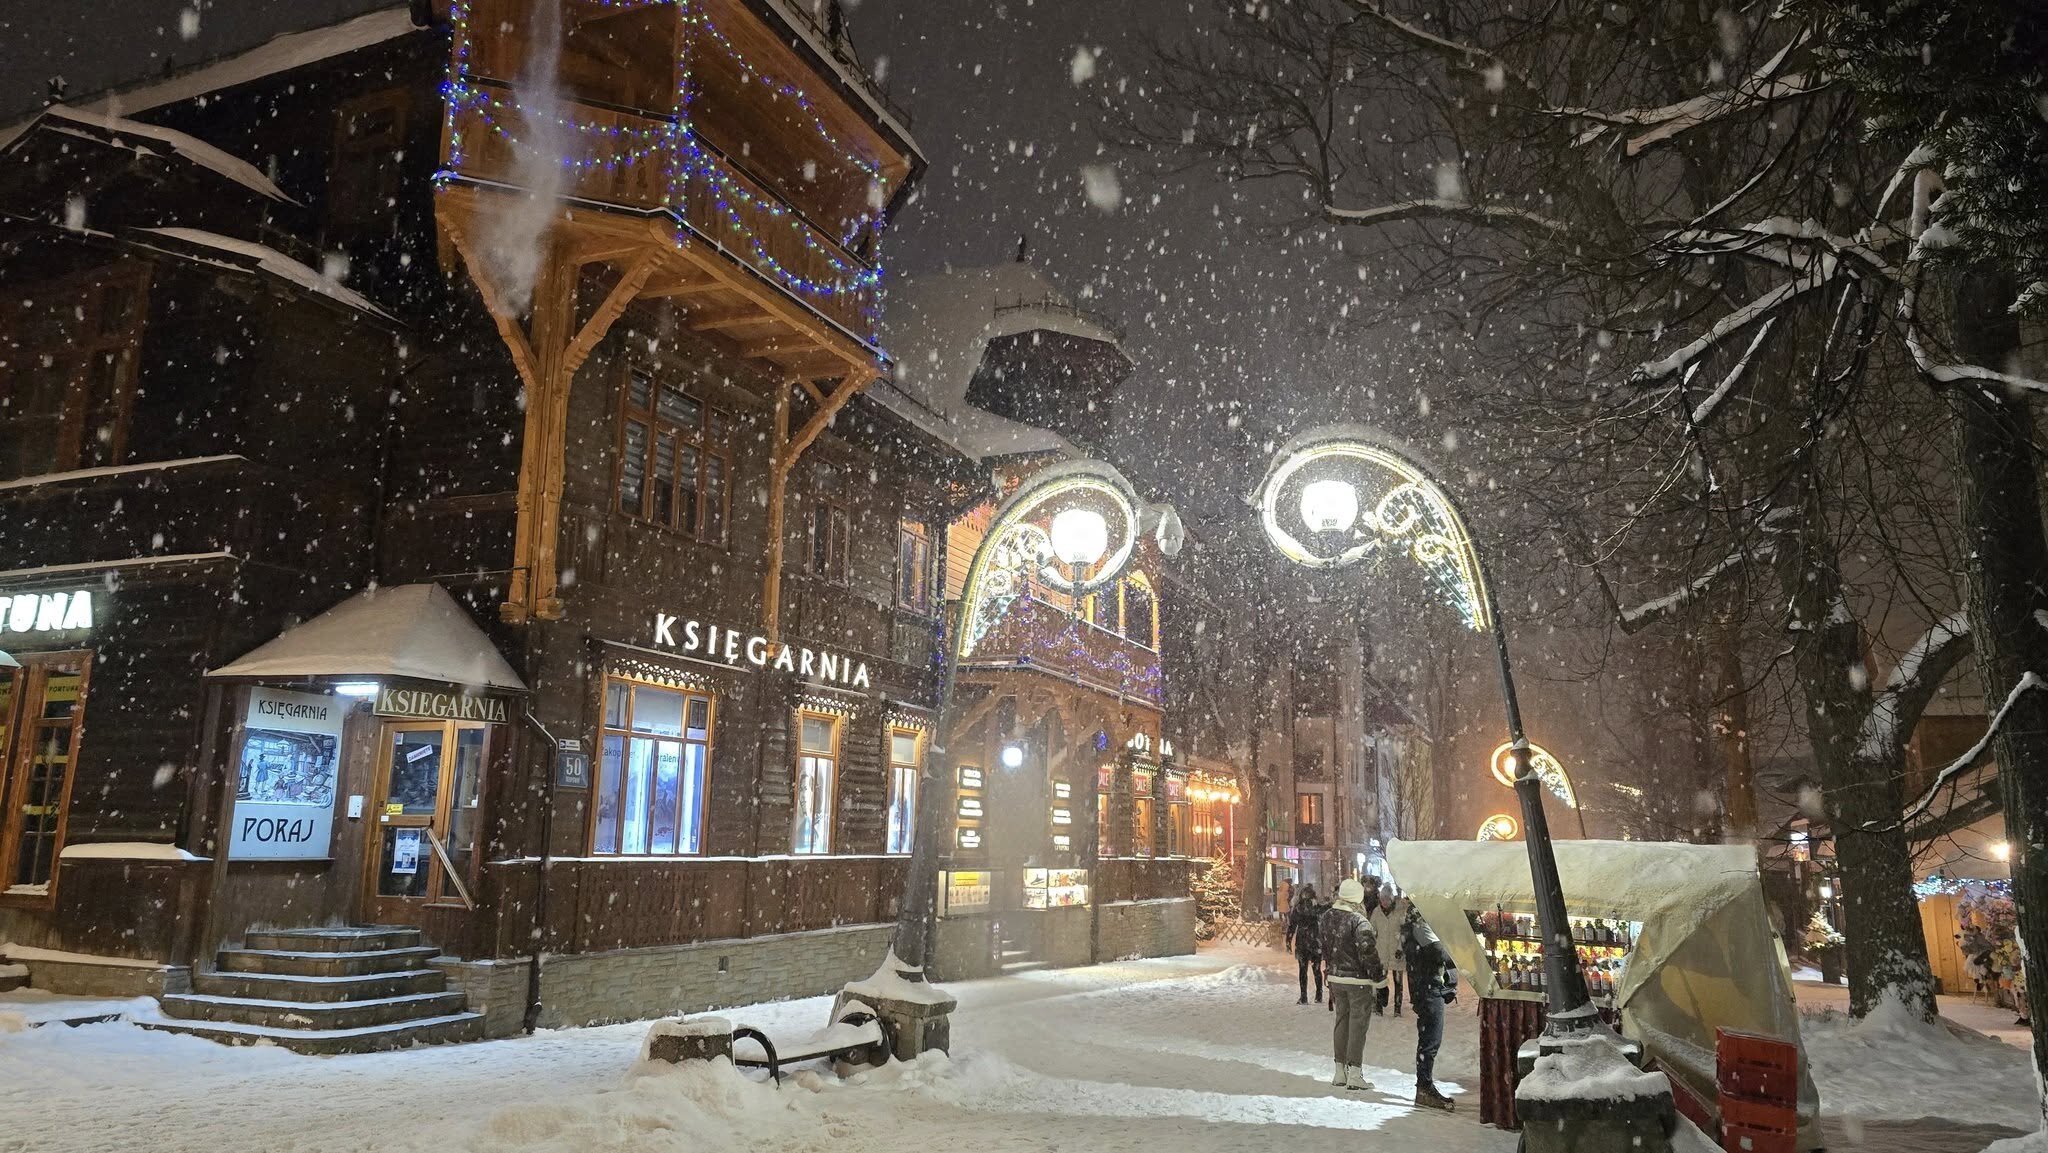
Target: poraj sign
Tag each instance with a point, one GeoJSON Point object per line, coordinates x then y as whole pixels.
{"type": "Point", "coordinates": [284, 792]}
{"type": "Point", "coordinates": [441, 705]}
{"type": "Point", "coordinates": [734, 647]}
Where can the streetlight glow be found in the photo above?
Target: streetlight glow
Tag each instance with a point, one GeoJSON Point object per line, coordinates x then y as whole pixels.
{"type": "Point", "coordinates": [1079, 536]}
{"type": "Point", "coordinates": [1013, 756]}
{"type": "Point", "coordinates": [1329, 505]}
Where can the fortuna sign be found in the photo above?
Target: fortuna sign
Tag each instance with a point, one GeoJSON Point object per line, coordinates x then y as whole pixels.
{"type": "Point", "coordinates": [47, 612]}
{"type": "Point", "coordinates": [732, 647]}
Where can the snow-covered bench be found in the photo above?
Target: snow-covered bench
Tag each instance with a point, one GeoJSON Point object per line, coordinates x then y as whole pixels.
{"type": "Point", "coordinates": [858, 1037]}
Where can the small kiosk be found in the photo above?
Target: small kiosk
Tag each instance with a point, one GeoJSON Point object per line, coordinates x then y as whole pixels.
{"type": "Point", "coordinates": [1674, 940]}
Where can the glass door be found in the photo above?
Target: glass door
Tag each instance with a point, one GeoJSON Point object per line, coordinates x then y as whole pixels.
{"type": "Point", "coordinates": [425, 806]}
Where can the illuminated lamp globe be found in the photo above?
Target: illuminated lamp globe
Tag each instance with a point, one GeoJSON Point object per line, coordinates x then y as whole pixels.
{"type": "Point", "coordinates": [1329, 505]}
{"type": "Point", "coordinates": [1079, 536]}
{"type": "Point", "coordinates": [1013, 756]}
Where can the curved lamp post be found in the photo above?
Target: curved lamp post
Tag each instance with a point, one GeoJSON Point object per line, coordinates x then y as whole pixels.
{"type": "Point", "coordinates": [1075, 525]}
{"type": "Point", "coordinates": [1547, 767]}
{"type": "Point", "coordinates": [1339, 495]}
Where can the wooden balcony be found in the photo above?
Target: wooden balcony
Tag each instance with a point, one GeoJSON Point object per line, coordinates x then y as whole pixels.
{"type": "Point", "coordinates": [716, 128]}
{"type": "Point", "coordinates": [1036, 635]}
{"type": "Point", "coordinates": [640, 164]}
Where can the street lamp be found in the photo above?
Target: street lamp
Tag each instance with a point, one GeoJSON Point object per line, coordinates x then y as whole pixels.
{"type": "Point", "coordinates": [1076, 525]}
{"type": "Point", "coordinates": [1549, 768]}
{"type": "Point", "coordinates": [1360, 497]}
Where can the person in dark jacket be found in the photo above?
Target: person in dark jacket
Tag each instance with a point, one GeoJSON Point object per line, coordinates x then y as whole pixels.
{"type": "Point", "coordinates": [1304, 940]}
{"type": "Point", "coordinates": [1355, 977]}
{"type": "Point", "coordinates": [1432, 983]}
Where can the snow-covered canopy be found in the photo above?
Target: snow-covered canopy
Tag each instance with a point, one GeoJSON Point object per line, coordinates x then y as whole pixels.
{"type": "Point", "coordinates": [938, 326]}
{"type": "Point", "coordinates": [413, 631]}
{"type": "Point", "coordinates": [140, 137]}
{"type": "Point", "coordinates": [249, 256]}
{"type": "Point", "coordinates": [1706, 957]}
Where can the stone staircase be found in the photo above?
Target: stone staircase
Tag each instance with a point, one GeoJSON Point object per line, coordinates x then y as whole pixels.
{"type": "Point", "coordinates": [353, 990]}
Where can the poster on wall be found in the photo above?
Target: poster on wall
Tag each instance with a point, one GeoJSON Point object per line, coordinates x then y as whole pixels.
{"type": "Point", "coordinates": [405, 851]}
{"type": "Point", "coordinates": [286, 782]}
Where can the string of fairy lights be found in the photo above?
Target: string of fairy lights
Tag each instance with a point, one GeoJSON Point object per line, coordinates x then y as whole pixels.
{"type": "Point", "coordinates": [695, 169]}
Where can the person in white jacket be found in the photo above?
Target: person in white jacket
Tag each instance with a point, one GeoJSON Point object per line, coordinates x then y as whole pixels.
{"type": "Point", "coordinates": [1385, 915]}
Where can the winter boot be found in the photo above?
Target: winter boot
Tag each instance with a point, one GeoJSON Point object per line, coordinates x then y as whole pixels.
{"type": "Point", "coordinates": [1426, 1097]}
{"type": "Point", "coordinates": [1337, 1078]}
{"type": "Point", "coordinates": [1303, 999]}
{"type": "Point", "coordinates": [1354, 1078]}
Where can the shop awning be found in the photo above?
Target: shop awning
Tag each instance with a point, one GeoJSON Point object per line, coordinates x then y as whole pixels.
{"type": "Point", "coordinates": [416, 632]}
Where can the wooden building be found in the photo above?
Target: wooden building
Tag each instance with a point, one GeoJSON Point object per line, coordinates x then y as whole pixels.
{"type": "Point", "coordinates": [441, 489]}
{"type": "Point", "coordinates": [1075, 828]}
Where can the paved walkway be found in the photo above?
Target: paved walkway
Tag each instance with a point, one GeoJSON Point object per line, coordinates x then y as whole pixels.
{"type": "Point", "coordinates": [1845, 1135]}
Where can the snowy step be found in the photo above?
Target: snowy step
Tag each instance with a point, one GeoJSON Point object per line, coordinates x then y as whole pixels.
{"type": "Point", "coordinates": [300, 987]}
{"type": "Point", "coordinates": [325, 963]}
{"type": "Point", "coordinates": [448, 1029]}
{"type": "Point", "coordinates": [278, 1014]}
{"type": "Point", "coordinates": [1023, 966]}
{"type": "Point", "coordinates": [353, 939]}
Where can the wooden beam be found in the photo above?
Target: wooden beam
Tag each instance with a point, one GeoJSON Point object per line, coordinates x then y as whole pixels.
{"type": "Point", "coordinates": [494, 301]}
{"type": "Point", "coordinates": [733, 318]}
{"type": "Point", "coordinates": [615, 303]}
{"type": "Point", "coordinates": [715, 265]}
{"type": "Point", "coordinates": [682, 287]}
{"type": "Point", "coordinates": [767, 347]}
{"type": "Point", "coordinates": [827, 410]}
{"type": "Point", "coordinates": [816, 395]}
{"type": "Point", "coordinates": [779, 464]}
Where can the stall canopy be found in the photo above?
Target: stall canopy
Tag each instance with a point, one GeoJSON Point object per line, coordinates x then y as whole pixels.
{"type": "Point", "coordinates": [1705, 958]}
{"type": "Point", "coordinates": [413, 632]}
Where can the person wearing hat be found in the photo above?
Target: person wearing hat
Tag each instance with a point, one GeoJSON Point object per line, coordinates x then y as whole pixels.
{"type": "Point", "coordinates": [1433, 983]}
{"type": "Point", "coordinates": [1353, 959]}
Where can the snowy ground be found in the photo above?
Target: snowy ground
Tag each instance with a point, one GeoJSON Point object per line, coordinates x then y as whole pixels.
{"type": "Point", "coordinates": [1203, 1054]}
{"type": "Point", "coordinates": [1186, 1054]}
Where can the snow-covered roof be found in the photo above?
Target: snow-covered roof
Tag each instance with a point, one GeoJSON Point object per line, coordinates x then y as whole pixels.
{"type": "Point", "coordinates": [279, 54]}
{"type": "Point", "coordinates": [130, 134]}
{"type": "Point", "coordinates": [414, 631]}
{"type": "Point", "coordinates": [249, 256]}
{"type": "Point", "coordinates": [938, 326]}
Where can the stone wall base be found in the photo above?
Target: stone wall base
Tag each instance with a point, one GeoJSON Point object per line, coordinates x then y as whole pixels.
{"type": "Point", "coordinates": [497, 989]}
{"type": "Point", "coordinates": [1163, 928]}
{"type": "Point", "coordinates": [92, 979]}
{"type": "Point", "coordinates": [674, 980]}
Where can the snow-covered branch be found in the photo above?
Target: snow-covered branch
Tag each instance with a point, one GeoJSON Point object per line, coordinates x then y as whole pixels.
{"type": "Point", "coordinates": [1471, 54]}
{"type": "Point", "coordinates": [1642, 616]}
{"type": "Point", "coordinates": [1976, 753]}
{"type": "Point", "coordinates": [1703, 411]}
{"type": "Point", "coordinates": [1494, 215]}
{"type": "Point", "coordinates": [1671, 120]}
{"type": "Point", "coordinates": [1655, 370]}
{"type": "Point", "coordinates": [1896, 708]}
{"type": "Point", "coordinates": [1929, 237]}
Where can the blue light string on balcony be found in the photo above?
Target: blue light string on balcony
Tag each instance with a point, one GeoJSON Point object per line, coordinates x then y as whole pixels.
{"type": "Point", "coordinates": [673, 139]}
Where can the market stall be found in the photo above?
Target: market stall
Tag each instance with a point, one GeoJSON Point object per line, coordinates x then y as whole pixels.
{"type": "Point", "coordinates": [1674, 940]}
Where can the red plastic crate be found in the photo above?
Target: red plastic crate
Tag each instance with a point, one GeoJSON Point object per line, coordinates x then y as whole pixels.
{"type": "Point", "coordinates": [1736, 1139]}
{"type": "Point", "coordinates": [1759, 1083]}
{"type": "Point", "coordinates": [1753, 1050]}
{"type": "Point", "coordinates": [1763, 1116]}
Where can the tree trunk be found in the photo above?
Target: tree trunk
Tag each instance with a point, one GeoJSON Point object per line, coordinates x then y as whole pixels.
{"type": "Point", "coordinates": [1255, 793]}
{"type": "Point", "coordinates": [1886, 953]}
{"type": "Point", "coordinates": [1731, 725]}
{"type": "Point", "coordinates": [2001, 517]}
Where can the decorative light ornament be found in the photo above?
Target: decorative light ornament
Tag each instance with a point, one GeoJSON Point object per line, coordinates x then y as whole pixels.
{"type": "Point", "coordinates": [1079, 536]}
{"type": "Point", "coordinates": [1017, 550]}
{"type": "Point", "coordinates": [1500, 827]}
{"type": "Point", "coordinates": [1548, 770]}
{"type": "Point", "coordinates": [2001, 850]}
{"type": "Point", "coordinates": [1396, 508]}
{"type": "Point", "coordinates": [1329, 505]}
{"type": "Point", "coordinates": [1013, 756]}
